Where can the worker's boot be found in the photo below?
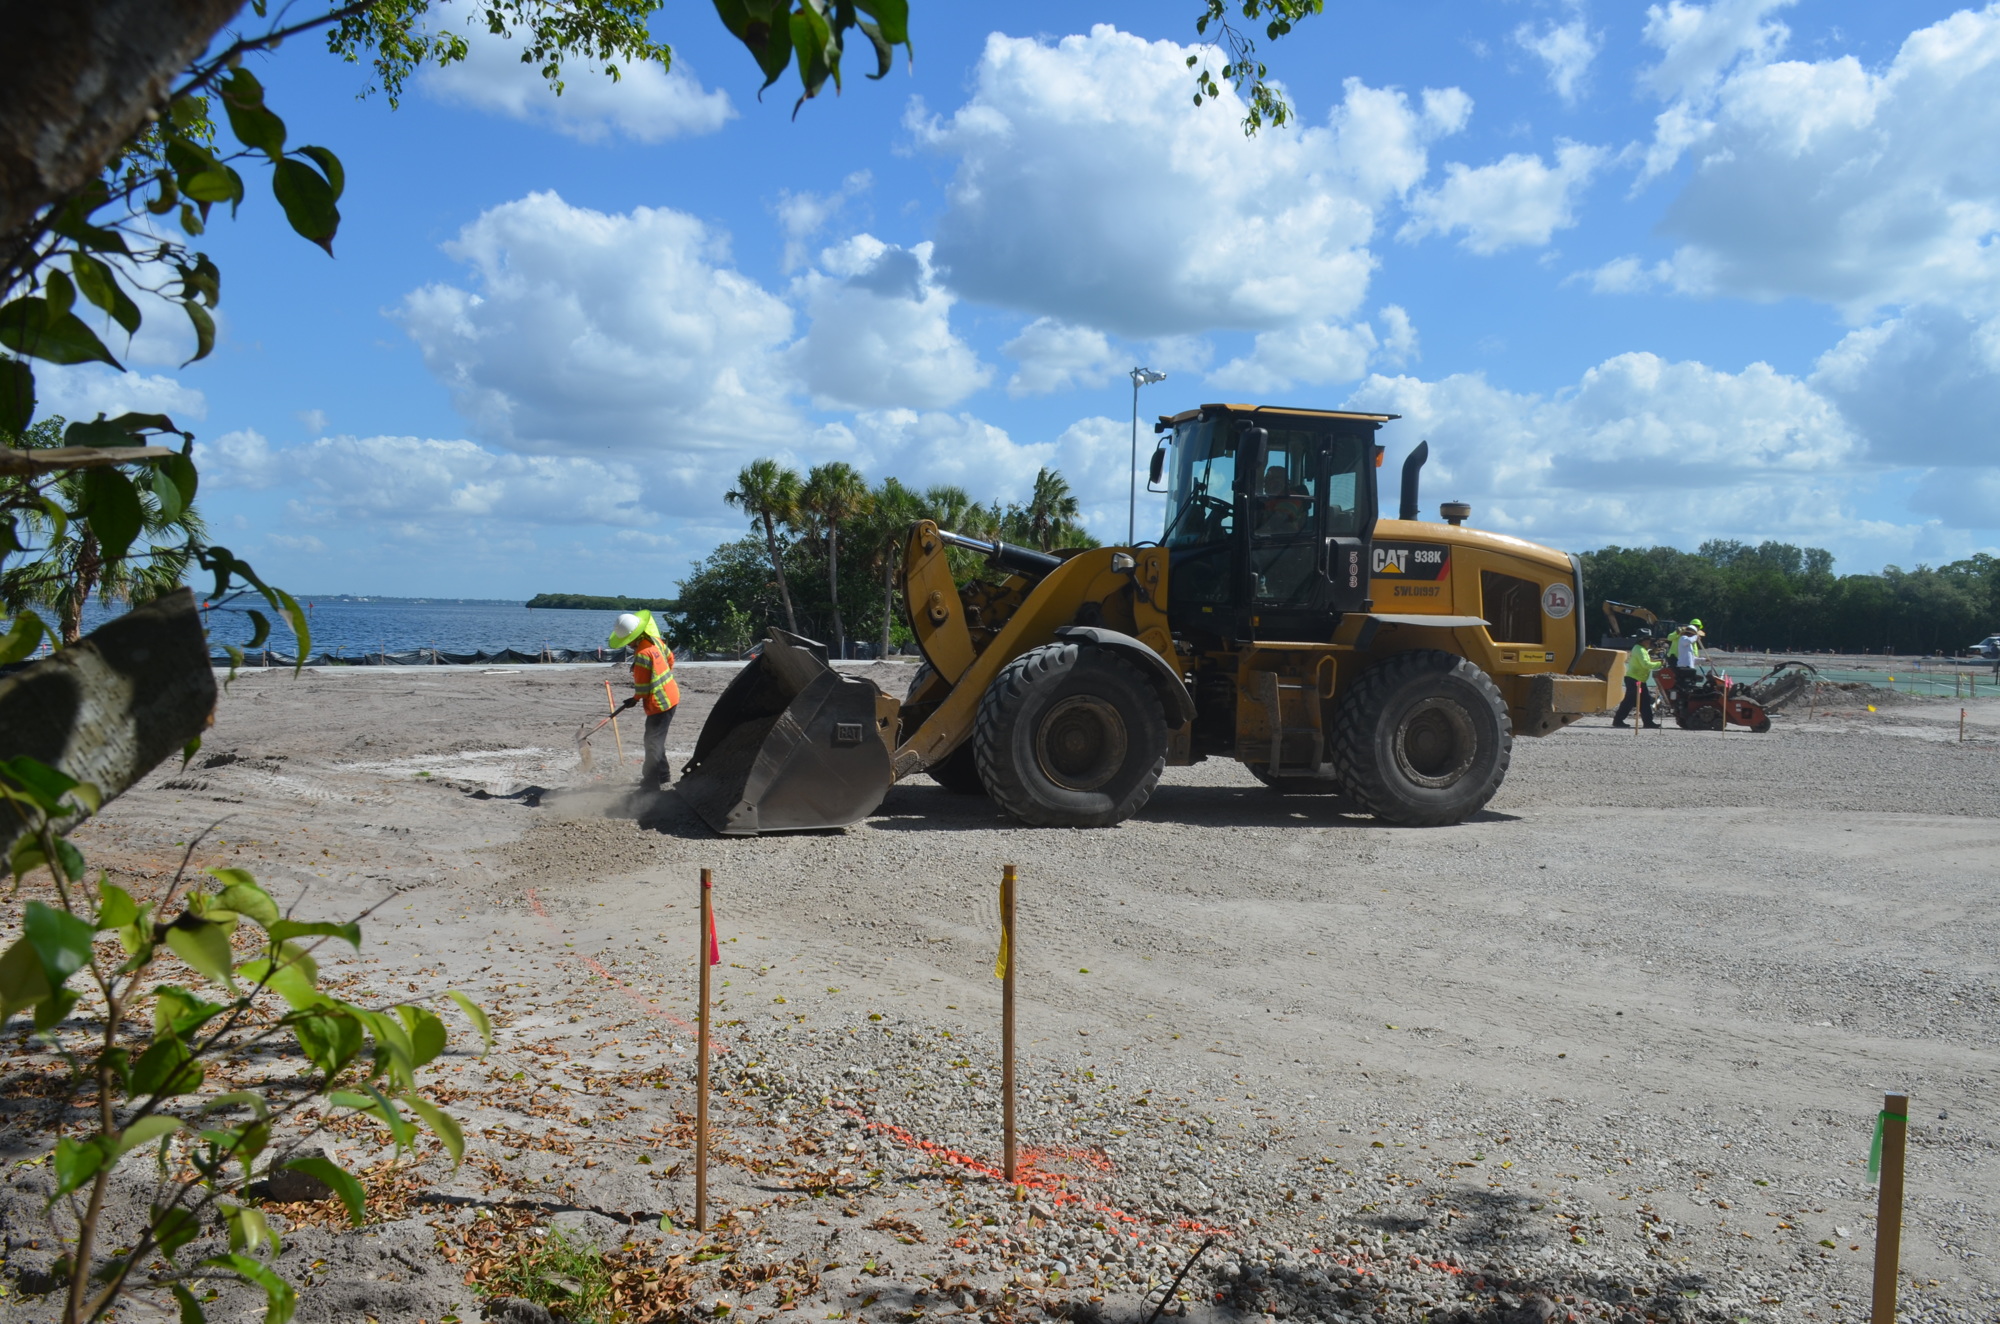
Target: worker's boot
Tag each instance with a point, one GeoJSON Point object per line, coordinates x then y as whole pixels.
{"type": "Point", "coordinates": [1622, 726]}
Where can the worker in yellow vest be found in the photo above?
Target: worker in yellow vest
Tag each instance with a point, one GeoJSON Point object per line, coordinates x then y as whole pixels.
{"type": "Point", "coordinates": [653, 684]}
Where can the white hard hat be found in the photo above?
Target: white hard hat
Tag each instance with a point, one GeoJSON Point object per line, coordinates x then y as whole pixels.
{"type": "Point", "coordinates": [627, 623]}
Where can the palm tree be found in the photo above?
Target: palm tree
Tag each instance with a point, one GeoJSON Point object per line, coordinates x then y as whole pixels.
{"type": "Point", "coordinates": [72, 565]}
{"type": "Point", "coordinates": [950, 508]}
{"type": "Point", "coordinates": [1052, 510]}
{"type": "Point", "coordinates": [892, 509]}
{"type": "Point", "coordinates": [769, 494]}
{"type": "Point", "coordinates": [834, 494]}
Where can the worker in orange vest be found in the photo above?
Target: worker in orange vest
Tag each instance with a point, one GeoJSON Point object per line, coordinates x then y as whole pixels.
{"type": "Point", "coordinates": [653, 684]}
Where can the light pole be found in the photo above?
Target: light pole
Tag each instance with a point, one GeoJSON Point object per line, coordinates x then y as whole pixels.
{"type": "Point", "coordinates": [1140, 377]}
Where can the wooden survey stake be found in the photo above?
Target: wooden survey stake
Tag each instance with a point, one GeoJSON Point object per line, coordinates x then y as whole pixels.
{"type": "Point", "coordinates": [1009, 959]}
{"type": "Point", "coordinates": [1892, 1129]}
{"type": "Point", "coordinates": [705, 949]}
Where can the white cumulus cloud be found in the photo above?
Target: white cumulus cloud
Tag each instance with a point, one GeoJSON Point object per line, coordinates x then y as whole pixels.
{"type": "Point", "coordinates": [1565, 49]}
{"type": "Point", "coordinates": [1640, 450]}
{"type": "Point", "coordinates": [425, 482]}
{"type": "Point", "coordinates": [83, 392]}
{"type": "Point", "coordinates": [1055, 356]}
{"type": "Point", "coordinates": [1517, 201]}
{"type": "Point", "coordinates": [645, 103]}
{"type": "Point", "coordinates": [1860, 189]}
{"type": "Point", "coordinates": [623, 336]}
{"type": "Point", "coordinates": [881, 332]}
{"type": "Point", "coordinates": [1087, 189]}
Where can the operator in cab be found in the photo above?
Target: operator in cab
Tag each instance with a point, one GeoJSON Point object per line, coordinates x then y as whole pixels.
{"type": "Point", "coordinates": [653, 685]}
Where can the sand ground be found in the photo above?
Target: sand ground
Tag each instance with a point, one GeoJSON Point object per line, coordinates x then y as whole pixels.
{"type": "Point", "coordinates": [1619, 1041]}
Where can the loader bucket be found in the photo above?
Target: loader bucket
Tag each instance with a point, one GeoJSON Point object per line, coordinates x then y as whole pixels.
{"type": "Point", "coordinates": [792, 745]}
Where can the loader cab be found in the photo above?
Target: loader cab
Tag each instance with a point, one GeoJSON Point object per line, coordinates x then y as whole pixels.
{"type": "Point", "coordinates": [1270, 513]}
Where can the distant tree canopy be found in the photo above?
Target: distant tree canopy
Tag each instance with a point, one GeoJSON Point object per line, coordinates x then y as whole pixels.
{"type": "Point", "coordinates": [799, 527]}
{"type": "Point", "coordinates": [1778, 597]}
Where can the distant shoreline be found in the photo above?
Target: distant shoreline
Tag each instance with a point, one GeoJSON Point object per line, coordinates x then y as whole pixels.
{"type": "Point", "coordinates": [594, 602]}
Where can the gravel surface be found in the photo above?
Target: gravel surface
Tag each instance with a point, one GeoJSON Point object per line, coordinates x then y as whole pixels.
{"type": "Point", "coordinates": [1611, 1050]}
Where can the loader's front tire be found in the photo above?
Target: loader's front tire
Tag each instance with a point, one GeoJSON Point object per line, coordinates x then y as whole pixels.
{"type": "Point", "coordinates": [1070, 735]}
{"type": "Point", "coordinates": [1422, 739]}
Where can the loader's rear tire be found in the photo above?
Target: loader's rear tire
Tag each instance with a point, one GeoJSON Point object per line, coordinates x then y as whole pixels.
{"type": "Point", "coordinates": [958, 771]}
{"type": "Point", "coordinates": [1070, 735]}
{"type": "Point", "coordinates": [1422, 739]}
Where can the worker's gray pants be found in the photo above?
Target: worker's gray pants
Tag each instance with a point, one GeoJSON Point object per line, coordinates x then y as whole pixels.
{"type": "Point", "coordinates": [654, 771]}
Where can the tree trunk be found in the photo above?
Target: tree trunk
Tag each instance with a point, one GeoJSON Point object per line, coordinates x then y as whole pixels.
{"type": "Point", "coordinates": [833, 586]}
{"type": "Point", "coordinates": [76, 81]}
{"type": "Point", "coordinates": [778, 566]}
{"type": "Point", "coordinates": [88, 565]}
{"type": "Point", "coordinates": [109, 709]}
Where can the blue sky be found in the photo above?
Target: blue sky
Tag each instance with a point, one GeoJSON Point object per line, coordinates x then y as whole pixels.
{"type": "Point", "coordinates": [1639, 275]}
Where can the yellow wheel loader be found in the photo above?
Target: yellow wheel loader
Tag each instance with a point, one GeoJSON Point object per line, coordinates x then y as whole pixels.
{"type": "Point", "coordinates": [1278, 621]}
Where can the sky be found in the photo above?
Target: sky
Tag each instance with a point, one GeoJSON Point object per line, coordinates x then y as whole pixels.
{"type": "Point", "coordinates": [1639, 276]}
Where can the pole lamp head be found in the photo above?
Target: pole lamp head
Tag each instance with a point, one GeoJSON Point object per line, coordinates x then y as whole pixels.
{"type": "Point", "coordinates": [1146, 377]}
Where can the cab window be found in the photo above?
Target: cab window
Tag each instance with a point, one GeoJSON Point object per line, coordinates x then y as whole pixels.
{"type": "Point", "coordinates": [1512, 608]}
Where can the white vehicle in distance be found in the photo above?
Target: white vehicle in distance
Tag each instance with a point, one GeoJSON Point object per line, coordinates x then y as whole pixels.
{"type": "Point", "coordinates": [1988, 648]}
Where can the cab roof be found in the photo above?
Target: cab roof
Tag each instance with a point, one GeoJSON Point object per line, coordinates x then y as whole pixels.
{"type": "Point", "coordinates": [1167, 421]}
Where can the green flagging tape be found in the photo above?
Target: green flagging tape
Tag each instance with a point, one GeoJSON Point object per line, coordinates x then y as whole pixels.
{"type": "Point", "coordinates": [1875, 1149]}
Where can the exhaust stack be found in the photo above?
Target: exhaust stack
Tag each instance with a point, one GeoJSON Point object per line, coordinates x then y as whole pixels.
{"type": "Point", "coordinates": [1411, 466]}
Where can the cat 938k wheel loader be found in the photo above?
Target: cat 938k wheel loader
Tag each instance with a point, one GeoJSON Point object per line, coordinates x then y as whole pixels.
{"type": "Point", "coordinates": [1278, 621]}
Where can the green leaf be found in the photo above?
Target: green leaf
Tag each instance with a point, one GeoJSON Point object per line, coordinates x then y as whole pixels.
{"type": "Point", "coordinates": [60, 939]}
{"type": "Point", "coordinates": [22, 981]}
{"type": "Point", "coordinates": [241, 894]}
{"type": "Point", "coordinates": [477, 1016]}
{"type": "Point", "coordinates": [179, 1013]}
{"type": "Point", "coordinates": [100, 285]}
{"type": "Point", "coordinates": [204, 330]}
{"type": "Point", "coordinates": [115, 907]}
{"type": "Point", "coordinates": [165, 1070]}
{"type": "Point", "coordinates": [249, 119]}
{"type": "Point", "coordinates": [168, 493]}
{"type": "Point", "coordinates": [60, 292]}
{"type": "Point", "coordinates": [891, 16]}
{"type": "Point", "coordinates": [294, 977]}
{"type": "Point", "coordinates": [336, 174]}
{"type": "Point", "coordinates": [442, 1124]}
{"type": "Point", "coordinates": [53, 1009]}
{"type": "Point", "coordinates": [145, 1131]}
{"type": "Point", "coordinates": [330, 1039]}
{"type": "Point", "coordinates": [44, 785]}
{"type": "Point", "coordinates": [343, 1183]}
{"type": "Point", "coordinates": [23, 638]}
{"type": "Point", "coordinates": [393, 1054]}
{"type": "Point", "coordinates": [101, 431]}
{"type": "Point", "coordinates": [190, 1308]}
{"type": "Point", "coordinates": [279, 1300]}
{"type": "Point", "coordinates": [204, 946]}
{"type": "Point", "coordinates": [292, 928]}
{"type": "Point", "coordinates": [385, 1110]}
{"type": "Point", "coordinates": [77, 1161]}
{"type": "Point", "coordinates": [295, 616]}
{"type": "Point", "coordinates": [308, 201]}
{"type": "Point", "coordinates": [114, 510]}
{"type": "Point", "coordinates": [17, 395]}
{"type": "Point", "coordinates": [217, 184]}
{"type": "Point", "coordinates": [248, 1228]}
{"type": "Point", "coordinates": [174, 1228]}
{"type": "Point", "coordinates": [182, 470]}
{"type": "Point", "coordinates": [31, 326]}
{"type": "Point", "coordinates": [427, 1036]}
{"type": "Point", "coordinates": [260, 628]}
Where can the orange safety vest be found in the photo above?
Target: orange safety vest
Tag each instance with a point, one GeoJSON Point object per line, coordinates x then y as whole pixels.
{"type": "Point", "coordinates": [653, 675]}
